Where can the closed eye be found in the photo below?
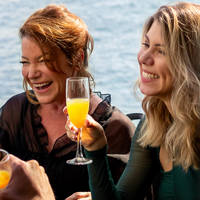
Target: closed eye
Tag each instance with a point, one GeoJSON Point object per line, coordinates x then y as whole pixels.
{"type": "Point", "coordinates": [161, 52]}
{"type": "Point", "coordinates": [24, 62]}
{"type": "Point", "coordinates": [42, 60]}
{"type": "Point", "coordinates": [145, 44]}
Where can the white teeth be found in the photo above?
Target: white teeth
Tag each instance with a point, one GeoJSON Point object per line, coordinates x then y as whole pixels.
{"type": "Point", "coordinates": [41, 84]}
{"type": "Point", "coordinates": [149, 76]}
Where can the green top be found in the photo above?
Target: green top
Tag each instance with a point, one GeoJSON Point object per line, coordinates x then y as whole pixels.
{"type": "Point", "coordinates": [142, 169]}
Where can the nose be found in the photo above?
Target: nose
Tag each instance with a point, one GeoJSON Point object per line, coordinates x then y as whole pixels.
{"type": "Point", "coordinates": [33, 72]}
{"type": "Point", "coordinates": [146, 58]}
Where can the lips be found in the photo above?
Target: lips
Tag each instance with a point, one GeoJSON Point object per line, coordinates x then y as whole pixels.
{"type": "Point", "coordinates": [41, 86]}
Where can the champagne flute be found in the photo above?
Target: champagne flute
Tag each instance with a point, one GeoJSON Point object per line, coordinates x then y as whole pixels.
{"type": "Point", "coordinates": [5, 169]}
{"type": "Point", "coordinates": [77, 100]}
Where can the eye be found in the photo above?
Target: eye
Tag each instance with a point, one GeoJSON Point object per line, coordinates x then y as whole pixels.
{"type": "Point", "coordinates": [160, 51]}
{"type": "Point", "coordinates": [145, 44]}
{"type": "Point", "coordinates": [42, 60]}
{"type": "Point", "coordinates": [23, 62]}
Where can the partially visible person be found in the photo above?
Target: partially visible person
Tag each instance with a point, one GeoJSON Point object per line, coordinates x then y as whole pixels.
{"type": "Point", "coordinates": [28, 182]}
{"type": "Point", "coordinates": [56, 45]}
{"type": "Point", "coordinates": [165, 148]}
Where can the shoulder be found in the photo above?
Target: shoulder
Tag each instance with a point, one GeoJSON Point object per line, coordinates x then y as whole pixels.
{"type": "Point", "coordinates": [102, 112]}
{"type": "Point", "coordinates": [121, 121]}
{"type": "Point", "coordinates": [14, 105]}
{"type": "Point", "coordinates": [11, 112]}
{"type": "Point", "coordinates": [16, 101]}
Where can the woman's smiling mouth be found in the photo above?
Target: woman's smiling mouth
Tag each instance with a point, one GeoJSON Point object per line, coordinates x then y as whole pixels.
{"type": "Point", "coordinates": [149, 75]}
{"type": "Point", "coordinates": [40, 86]}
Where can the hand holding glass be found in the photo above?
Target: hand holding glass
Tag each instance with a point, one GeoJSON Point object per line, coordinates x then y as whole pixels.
{"type": "Point", "coordinates": [77, 97]}
{"type": "Point", "coordinates": [5, 169]}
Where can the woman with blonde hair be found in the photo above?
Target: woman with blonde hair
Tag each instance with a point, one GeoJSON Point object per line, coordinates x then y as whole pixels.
{"type": "Point", "coordinates": [165, 149]}
{"type": "Point", "coordinates": [56, 45]}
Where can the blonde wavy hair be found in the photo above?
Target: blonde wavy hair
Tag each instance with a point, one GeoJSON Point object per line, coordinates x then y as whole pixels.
{"type": "Point", "coordinates": [178, 131]}
{"type": "Point", "coordinates": [55, 28]}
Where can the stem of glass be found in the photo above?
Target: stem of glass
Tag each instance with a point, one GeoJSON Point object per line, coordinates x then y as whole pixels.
{"type": "Point", "coordinates": [79, 153]}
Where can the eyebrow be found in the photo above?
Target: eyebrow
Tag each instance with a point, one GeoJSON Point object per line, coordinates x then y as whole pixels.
{"type": "Point", "coordinates": [157, 45]}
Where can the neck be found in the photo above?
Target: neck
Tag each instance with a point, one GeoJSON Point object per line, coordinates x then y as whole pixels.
{"type": "Point", "coordinates": [56, 107]}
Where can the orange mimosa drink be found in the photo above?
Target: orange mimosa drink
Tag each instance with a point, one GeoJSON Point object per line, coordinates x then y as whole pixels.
{"type": "Point", "coordinates": [77, 109]}
{"type": "Point", "coordinates": [4, 178]}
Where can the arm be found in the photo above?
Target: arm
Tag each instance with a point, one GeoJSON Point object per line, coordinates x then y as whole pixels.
{"type": "Point", "coordinates": [119, 131]}
{"type": "Point", "coordinates": [134, 181]}
{"type": "Point", "coordinates": [139, 172]}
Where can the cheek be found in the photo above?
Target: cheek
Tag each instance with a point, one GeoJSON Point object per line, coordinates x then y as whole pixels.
{"type": "Point", "coordinates": [139, 60]}
{"type": "Point", "coordinates": [167, 75]}
{"type": "Point", "coordinates": [139, 55]}
{"type": "Point", "coordinates": [24, 72]}
{"type": "Point", "coordinates": [167, 79]}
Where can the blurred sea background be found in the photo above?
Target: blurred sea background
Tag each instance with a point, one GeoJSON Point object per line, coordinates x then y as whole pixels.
{"type": "Point", "coordinates": [116, 27]}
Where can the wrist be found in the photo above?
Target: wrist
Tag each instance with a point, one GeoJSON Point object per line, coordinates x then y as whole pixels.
{"type": "Point", "coordinates": [97, 145]}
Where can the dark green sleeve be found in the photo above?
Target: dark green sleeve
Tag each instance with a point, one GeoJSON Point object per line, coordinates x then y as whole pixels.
{"type": "Point", "coordinates": [100, 179]}
{"type": "Point", "coordinates": [139, 172]}
{"type": "Point", "coordinates": [134, 181]}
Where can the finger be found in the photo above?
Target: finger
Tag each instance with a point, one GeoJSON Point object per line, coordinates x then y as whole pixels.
{"type": "Point", "coordinates": [70, 126]}
{"type": "Point", "coordinates": [70, 134]}
{"type": "Point", "coordinates": [65, 110]}
{"type": "Point", "coordinates": [33, 164]}
{"type": "Point", "coordinates": [14, 161]}
{"type": "Point", "coordinates": [80, 196]}
{"type": "Point", "coordinates": [42, 169]}
{"type": "Point", "coordinates": [83, 194]}
{"type": "Point", "coordinates": [71, 130]}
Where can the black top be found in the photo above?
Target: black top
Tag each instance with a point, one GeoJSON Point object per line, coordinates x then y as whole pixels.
{"type": "Point", "coordinates": [22, 134]}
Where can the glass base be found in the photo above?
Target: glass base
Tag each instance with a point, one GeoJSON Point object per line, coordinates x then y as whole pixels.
{"type": "Point", "coordinates": [79, 161]}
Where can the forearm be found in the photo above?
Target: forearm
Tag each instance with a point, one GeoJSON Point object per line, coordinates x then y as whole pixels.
{"type": "Point", "coordinates": [100, 179]}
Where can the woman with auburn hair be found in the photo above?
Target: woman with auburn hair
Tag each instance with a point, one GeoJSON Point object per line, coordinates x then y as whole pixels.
{"type": "Point", "coordinates": [166, 144]}
{"type": "Point", "coordinates": [56, 45]}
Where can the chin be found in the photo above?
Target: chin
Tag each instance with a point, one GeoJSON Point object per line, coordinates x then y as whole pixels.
{"type": "Point", "coordinates": [144, 90]}
{"type": "Point", "coordinates": [147, 92]}
{"type": "Point", "coordinates": [43, 100]}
